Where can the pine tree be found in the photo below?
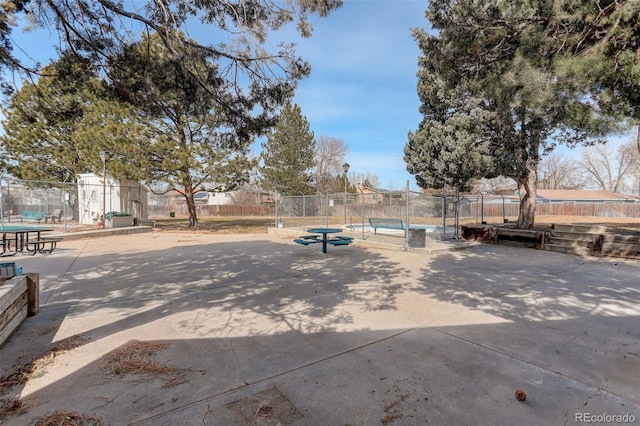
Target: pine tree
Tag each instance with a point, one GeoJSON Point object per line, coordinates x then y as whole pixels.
{"type": "Point", "coordinates": [491, 97]}
{"type": "Point", "coordinates": [288, 155]}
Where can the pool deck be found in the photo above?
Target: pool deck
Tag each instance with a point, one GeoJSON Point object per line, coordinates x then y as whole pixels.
{"type": "Point", "coordinates": [386, 240]}
{"type": "Point", "coordinates": [257, 330]}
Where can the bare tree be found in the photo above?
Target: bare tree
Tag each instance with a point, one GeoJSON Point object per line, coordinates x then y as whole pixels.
{"type": "Point", "coordinates": [558, 172]}
{"type": "Point", "coordinates": [610, 171]}
{"type": "Point", "coordinates": [365, 179]}
{"type": "Point", "coordinates": [329, 157]}
{"type": "Point", "coordinates": [495, 185]}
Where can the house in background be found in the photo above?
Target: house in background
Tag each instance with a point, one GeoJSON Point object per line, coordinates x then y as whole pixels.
{"type": "Point", "coordinates": [245, 195]}
{"type": "Point", "coordinates": [566, 196]}
{"type": "Point", "coordinates": [371, 195]}
{"type": "Point", "coordinates": [582, 196]}
{"type": "Point", "coordinates": [122, 196]}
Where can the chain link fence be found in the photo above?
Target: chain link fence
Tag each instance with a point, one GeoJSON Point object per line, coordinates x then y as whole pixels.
{"type": "Point", "coordinates": [443, 213]}
{"type": "Point", "coordinates": [354, 210]}
{"type": "Point", "coordinates": [81, 203]}
{"type": "Point", "coordinates": [42, 197]}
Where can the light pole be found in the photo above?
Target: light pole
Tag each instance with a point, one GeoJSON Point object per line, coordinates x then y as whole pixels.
{"type": "Point", "coordinates": [345, 167]}
{"type": "Point", "coordinates": [104, 156]}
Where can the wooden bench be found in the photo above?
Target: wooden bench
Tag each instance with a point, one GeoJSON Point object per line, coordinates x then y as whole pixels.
{"type": "Point", "coordinates": [27, 215]}
{"type": "Point", "coordinates": [521, 237]}
{"type": "Point", "coordinates": [40, 246]}
{"type": "Point", "coordinates": [56, 215]}
{"type": "Point", "coordinates": [385, 223]}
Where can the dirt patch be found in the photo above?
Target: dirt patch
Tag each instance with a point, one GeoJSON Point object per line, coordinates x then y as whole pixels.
{"type": "Point", "coordinates": [37, 367]}
{"type": "Point", "coordinates": [217, 225]}
{"type": "Point", "coordinates": [270, 407]}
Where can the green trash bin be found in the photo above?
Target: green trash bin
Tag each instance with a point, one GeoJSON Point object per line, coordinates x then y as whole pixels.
{"type": "Point", "coordinates": [172, 214]}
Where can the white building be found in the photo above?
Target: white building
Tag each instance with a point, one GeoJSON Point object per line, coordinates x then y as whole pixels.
{"type": "Point", "coordinates": [120, 196]}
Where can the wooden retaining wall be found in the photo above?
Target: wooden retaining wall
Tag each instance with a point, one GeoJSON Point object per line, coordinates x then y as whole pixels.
{"type": "Point", "coordinates": [19, 298]}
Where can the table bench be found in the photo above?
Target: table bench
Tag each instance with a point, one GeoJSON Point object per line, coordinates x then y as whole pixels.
{"type": "Point", "coordinates": [385, 223]}
{"type": "Point", "coordinates": [340, 240]}
{"type": "Point", "coordinates": [27, 215]}
{"type": "Point", "coordinates": [40, 245]}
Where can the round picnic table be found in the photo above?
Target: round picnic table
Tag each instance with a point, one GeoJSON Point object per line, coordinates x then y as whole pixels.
{"type": "Point", "coordinates": [324, 232]}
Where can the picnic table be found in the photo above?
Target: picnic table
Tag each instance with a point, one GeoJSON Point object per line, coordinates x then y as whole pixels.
{"type": "Point", "coordinates": [26, 240]}
{"type": "Point", "coordinates": [338, 240]}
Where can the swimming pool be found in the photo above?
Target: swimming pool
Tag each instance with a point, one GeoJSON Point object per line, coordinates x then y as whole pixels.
{"type": "Point", "coordinates": [430, 229]}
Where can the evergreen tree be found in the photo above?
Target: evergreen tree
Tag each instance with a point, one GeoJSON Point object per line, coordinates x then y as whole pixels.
{"type": "Point", "coordinates": [236, 35]}
{"type": "Point", "coordinates": [288, 155]}
{"type": "Point", "coordinates": [42, 121]}
{"type": "Point", "coordinates": [491, 98]}
{"type": "Point", "coordinates": [198, 138]}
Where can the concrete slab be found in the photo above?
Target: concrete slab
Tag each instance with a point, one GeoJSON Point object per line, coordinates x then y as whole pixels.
{"type": "Point", "coordinates": [259, 330]}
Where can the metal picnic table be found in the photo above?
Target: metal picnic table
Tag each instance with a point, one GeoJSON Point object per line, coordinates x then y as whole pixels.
{"type": "Point", "coordinates": [20, 237]}
{"type": "Point", "coordinates": [325, 239]}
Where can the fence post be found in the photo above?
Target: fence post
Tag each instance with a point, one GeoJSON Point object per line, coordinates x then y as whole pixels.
{"type": "Point", "coordinates": [33, 293]}
{"type": "Point", "coordinates": [444, 211]}
{"type": "Point", "coordinates": [406, 231]}
{"type": "Point", "coordinates": [362, 214]}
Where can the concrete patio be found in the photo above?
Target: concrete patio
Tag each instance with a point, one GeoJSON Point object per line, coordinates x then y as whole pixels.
{"type": "Point", "coordinates": [259, 330]}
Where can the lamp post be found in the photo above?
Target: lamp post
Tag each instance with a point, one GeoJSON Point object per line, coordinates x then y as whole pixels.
{"type": "Point", "coordinates": [345, 167]}
{"type": "Point", "coordinates": [104, 156]}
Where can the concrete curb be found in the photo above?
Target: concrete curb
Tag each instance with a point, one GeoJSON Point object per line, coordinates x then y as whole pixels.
{"type": "Point", "coordinates": [102, 232]}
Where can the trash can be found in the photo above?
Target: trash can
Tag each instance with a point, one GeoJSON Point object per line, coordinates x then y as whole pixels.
{"type": "Point", "coordinates": [172, 214]}
{"type": "Point", "coordinates": [7, 270]}
{"type": "Point", "coordinates": [417, 238]}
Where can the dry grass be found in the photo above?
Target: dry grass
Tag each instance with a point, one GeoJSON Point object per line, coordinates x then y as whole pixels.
{"type": "Point", "coordinates": [218, 225]}
{"type": "Point", "coordinates": [10, 406]}
{"type": "Point", "coordinates": [69, 418]}
{"type": "Point", "coordinates": [38, 366]}
{"type": "Point", "coordinates": [140, 358]}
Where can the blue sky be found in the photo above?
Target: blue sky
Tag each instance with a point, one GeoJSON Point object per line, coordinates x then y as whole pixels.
{"type": "Point", "coordinates": [362, 87]}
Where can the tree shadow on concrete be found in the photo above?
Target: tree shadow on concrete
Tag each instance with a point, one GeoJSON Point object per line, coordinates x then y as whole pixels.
{"type": "Point", "coordinates": [220, 289]}
{"type": "Point", "coordinates": [532, 285]}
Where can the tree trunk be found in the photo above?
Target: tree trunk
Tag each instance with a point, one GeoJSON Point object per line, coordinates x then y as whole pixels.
{"type": "Point", "coordinates": [527, 187]}
{"type": "Point", "coordinates": [191, 206]}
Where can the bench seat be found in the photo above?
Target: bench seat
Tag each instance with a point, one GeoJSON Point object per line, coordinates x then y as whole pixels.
{"type": "Point", "coordinates": [56, 215]}
{"type": "Point", "coordinates": [304, 242]}
{"type": "Point", "coordinates": [386, 223]}
{"type": "Point", "coordinates": [339, 242]}
{"type": "Point", "coordinates": [40, 246]}
{"type": "Point", "coordinates": [27, 215]}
